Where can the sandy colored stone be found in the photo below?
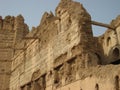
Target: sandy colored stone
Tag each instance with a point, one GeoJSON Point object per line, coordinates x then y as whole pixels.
{"type": "Point", "coordinates": [61, 53]}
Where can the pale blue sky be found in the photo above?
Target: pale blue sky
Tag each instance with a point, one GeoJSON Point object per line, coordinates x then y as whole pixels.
{"type": "Point", "coordinates": [32, 10]}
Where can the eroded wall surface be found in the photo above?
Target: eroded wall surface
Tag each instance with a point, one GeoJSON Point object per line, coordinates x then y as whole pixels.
{"type": "Point", "coordinates": [110, 43]}
{"type": "Point", "coordinates": [10, 34]}
{"type": "Point", "coordinates": [6, 41]}
{"type": "Point", "coordinates": [60, 54]}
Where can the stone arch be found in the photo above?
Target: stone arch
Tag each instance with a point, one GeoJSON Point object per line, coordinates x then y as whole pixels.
{"type": "Point", "coordinates": [114, 55]}
{"type": "Point", "coordinates": [26, 87]}
{"type": "Point", "coordinates": [38, 81]}
{"type": "Point", "coordinates": [36, 75]}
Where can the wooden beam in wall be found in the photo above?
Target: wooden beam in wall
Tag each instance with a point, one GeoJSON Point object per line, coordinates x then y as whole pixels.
{"type": "Point", "coordinates": [102, 25]}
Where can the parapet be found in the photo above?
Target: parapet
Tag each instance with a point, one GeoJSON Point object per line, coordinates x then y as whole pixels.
{"type": "Point", "coordinates": [13, 23]}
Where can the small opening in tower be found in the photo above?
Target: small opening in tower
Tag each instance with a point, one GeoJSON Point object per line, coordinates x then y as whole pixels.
{"type": "Point", "coordinates": [108, 41]}
{"type": "Point", "coordinates": [96, 87]}
{"type": "Point", "coordinates": [117, 83]}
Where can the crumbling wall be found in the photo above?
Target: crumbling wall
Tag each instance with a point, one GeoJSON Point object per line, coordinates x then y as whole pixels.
{"type": "Point", "coordinates": [110, 43]}
{"type": "Point", "coordinates": [95, 78]}
{"type": "Point", "coordinates": [7, 40]}
{"type": "Point", "coordinates": [57, 44]}
{"type": "Point", "coordinates": [62, 54]}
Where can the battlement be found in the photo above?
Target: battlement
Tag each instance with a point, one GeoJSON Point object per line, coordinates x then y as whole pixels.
{"type": "Point", "coordinates": [61, 53]}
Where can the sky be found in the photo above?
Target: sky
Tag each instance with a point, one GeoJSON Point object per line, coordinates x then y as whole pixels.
{"type": "Point", "coordinates": [32, 10]}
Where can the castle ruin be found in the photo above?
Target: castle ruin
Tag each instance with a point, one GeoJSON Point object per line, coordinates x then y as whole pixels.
{"type": "Point", "coordinates": [61, 53]}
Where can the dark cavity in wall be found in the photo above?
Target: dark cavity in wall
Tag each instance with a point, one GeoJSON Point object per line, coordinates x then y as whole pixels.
{"type": "Point", "coordinates": [96, 87]}
{"type": "Point", "coordinates": [116, 54]}
{"type": "Point", "coordinates": [117, 83]}
{"type": "Point", "coordinates": [116, 62]}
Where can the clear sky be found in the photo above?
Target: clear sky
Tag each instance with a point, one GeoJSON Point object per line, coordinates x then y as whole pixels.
{"type": "Point", "coordinates": [32, 10]}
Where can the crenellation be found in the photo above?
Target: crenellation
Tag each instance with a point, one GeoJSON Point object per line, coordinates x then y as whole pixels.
{"type": "Point", "coordinates": [8, 23]}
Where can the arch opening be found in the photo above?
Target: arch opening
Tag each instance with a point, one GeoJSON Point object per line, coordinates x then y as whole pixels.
{"type": "Point", "coordinates": [116, 52]}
